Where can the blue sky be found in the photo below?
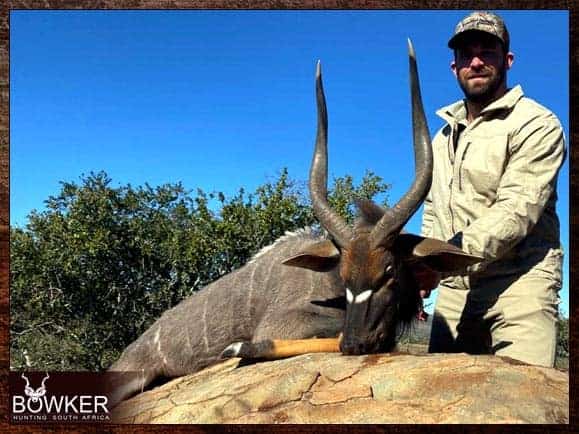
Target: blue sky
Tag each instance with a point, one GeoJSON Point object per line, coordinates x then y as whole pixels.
{"type": "Point", "coordinates": [225, 99]}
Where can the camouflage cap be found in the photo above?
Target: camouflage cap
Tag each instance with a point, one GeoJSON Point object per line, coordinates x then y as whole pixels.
{"type": "Point", "coordinates": [481, 21]}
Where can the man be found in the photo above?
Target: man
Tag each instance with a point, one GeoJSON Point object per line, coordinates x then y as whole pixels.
{"type": "Point", "coordinates": [496, 162]}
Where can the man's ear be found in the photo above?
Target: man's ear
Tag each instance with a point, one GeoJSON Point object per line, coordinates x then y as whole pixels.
{"type": "Point", "coordinates": [453, 68]}
{"type": "Point", "coordinates": [320, 256]}
{"type": "Point", "coordinates": [438, 255]}
{"type": "Point", "coordinates": [509, 59]}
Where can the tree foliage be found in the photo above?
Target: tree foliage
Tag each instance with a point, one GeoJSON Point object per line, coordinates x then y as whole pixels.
{"type": "Point", "coordinates": [101, 263]}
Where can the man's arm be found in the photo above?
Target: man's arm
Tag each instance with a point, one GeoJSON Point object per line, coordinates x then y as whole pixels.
{"type": "Point", "coordinates": [527, 183]}
{"type": "Point", "coordinates": [427, 217]}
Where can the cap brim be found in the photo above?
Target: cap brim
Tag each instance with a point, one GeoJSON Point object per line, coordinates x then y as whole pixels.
{"type": "Point", "coordinates": [454, 42]}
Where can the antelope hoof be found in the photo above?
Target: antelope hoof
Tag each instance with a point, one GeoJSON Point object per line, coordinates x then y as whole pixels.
{"type": "Point", "coordinates": [237, 349]}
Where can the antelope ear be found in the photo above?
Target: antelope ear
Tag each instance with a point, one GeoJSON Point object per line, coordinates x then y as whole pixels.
{"type": "Point", "coordinates": [438, 255]}
{"type": "Point", "coordinates": [321, 256]}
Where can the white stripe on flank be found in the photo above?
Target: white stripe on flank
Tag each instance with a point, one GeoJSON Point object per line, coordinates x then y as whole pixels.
{"type": "Point", "coordinates": [250, 292]}
{"type": "Point", "coordinates": [205, 324]}
{"type": "Point", "coordinates": [189, 338]}
{"type": "Point", "coordinates": [312, 286]}
{"type": "Point", "coordinates": [157, 341]}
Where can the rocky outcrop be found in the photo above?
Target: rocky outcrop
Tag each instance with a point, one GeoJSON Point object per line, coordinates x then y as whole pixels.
{"type": "Point", "coordinates": [332, 388]}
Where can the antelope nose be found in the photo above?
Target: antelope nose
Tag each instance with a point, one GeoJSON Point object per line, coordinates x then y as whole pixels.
{"type": "Point", "coordinates": [353, 347]}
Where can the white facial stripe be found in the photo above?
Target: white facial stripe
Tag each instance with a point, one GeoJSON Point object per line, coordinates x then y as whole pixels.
{"type": "Point", "coordinates": [349, 295]}
{"type": "Point", "coordinates": [363, 296]}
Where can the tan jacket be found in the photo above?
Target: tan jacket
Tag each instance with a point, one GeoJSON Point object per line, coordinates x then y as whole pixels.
{"type": "Point", "coordinates": [494, 194]}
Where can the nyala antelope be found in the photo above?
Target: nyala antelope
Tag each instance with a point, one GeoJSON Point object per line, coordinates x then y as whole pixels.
{"type": "Point", "coordinates": [347, 291]}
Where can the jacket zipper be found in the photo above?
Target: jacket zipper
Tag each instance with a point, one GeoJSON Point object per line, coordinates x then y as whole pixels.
{"type": "Point", "coordinates": [456, 171]}
{"type": "Point", "coordinates": [451, 155]}
{"type": "Point", "coordinates": [460, 166]}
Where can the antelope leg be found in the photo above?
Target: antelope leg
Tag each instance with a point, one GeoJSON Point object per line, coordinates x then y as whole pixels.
{"type": "Point", "coordinates": [277, 349]}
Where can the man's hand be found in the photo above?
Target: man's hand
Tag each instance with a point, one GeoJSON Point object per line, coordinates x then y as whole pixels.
{"type": "Point", "coordinates": [427, 279]}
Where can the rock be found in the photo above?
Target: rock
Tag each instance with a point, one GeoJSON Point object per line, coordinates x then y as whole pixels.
{"type": "Point", "coordinates": [385, 388]}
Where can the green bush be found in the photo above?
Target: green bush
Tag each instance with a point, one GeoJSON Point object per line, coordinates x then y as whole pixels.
{"type": "Point", "coordinates": [562, 354]}
{"type": "Point", "coordinates": [101, 263]}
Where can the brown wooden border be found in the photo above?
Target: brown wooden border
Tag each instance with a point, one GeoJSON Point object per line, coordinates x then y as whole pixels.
{"type": "Point", "coordinates": [10, 5]}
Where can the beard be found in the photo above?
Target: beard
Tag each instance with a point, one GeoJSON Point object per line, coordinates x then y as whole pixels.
{"type": "Point", "coordinates": [483, 93]}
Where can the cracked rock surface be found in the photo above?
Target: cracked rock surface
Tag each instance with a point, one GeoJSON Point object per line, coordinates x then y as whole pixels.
{"type": "Point", "coordinates": [385, 388]}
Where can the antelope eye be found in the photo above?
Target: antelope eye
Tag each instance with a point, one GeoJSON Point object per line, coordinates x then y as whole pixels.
{"type": "Point", "coordinates": [388, 275]}
{"type": "Point", "coordinates": [389, 269]}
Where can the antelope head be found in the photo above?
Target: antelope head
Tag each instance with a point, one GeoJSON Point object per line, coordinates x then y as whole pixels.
{"type": "Point", "coordinates": [35, 394]}
{"type": "Point", "coordinates": [372, 256]}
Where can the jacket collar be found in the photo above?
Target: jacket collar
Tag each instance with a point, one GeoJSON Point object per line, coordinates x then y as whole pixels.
{"type": "Point", "coordinates": [456, 112]}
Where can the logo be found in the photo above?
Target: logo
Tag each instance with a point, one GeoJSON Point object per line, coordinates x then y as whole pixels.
{"type": "Point", "coordinates": [59, 397]}
{"type": "Point", "coordinates": [33, 394]}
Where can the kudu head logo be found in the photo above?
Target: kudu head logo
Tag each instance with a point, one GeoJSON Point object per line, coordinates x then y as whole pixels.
{"type": "Point", "coordinates": [35, 394]}
{"type": "Point", "coordinates": [371, 255]}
